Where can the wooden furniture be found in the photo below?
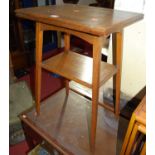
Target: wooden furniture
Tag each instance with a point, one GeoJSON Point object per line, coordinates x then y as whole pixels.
{"type": "Point", "coordinates": [88, 23]}
{"type": "Point", "coordinates": [137, 124]}
{"type": "Point", "coordinates": [65, 122]}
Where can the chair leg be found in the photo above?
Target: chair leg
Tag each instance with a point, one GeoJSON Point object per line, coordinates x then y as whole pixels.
{"type": "Point", "coordinates": [143, 152]}
{"type": "Point", "coordinates": [132, 139]}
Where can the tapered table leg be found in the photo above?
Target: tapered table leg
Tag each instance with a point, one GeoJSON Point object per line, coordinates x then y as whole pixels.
{"type": "Point", "coordinates": [117, 60]}
{"type": "Point", "coordinates": [95, 88]}
{"type": "Point", "coordinates": [39, 42]}
{"type": "Point", "coordinates": [67, 47]}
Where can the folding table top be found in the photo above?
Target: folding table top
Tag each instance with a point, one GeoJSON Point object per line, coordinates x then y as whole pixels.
{"type": "Point", "coordinates": [92, 20]}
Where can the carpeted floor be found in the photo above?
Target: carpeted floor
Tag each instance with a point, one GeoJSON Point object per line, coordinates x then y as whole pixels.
{"type": "Point", "coordinates": [19, 149]}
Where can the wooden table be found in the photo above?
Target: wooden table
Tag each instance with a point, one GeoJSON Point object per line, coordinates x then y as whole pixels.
{"type": "Point", "coordinates": [137, 123]}
{"type": "Point", "coordinates": [65, 124]}
{"type": "Point", "coordinates": [93, 25]}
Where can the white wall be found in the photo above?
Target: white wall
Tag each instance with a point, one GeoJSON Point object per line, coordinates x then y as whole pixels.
{"type": "Point", "coordinates": [133, 69]}
{"type": "Point", "coordinates": [130, 5]}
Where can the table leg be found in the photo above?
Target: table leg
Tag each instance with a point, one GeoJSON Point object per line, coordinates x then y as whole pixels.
{"type": "Point", "coordinates": [97, 45]}
{"type": "Point", "coordinates": [117, 60]}
{"type": "Point", "coordinates": [67, 47]}
{"type": "Point", "coordinates": [39, 42]}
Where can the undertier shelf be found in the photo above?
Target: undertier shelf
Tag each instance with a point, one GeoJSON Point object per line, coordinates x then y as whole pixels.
{"type": "Point", "coordinates": [78, 68]}
{"type": "Point", "coordinates": [64, 122]}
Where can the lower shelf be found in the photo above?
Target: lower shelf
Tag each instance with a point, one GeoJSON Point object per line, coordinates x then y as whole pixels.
{"type": "Point", "coordinates": [77, 67]}
{"type": "Point", "coordinates": [64, 122]}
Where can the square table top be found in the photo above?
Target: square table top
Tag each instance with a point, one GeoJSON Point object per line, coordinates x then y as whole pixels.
{"type": "Point", "coordinates": [91, 20]}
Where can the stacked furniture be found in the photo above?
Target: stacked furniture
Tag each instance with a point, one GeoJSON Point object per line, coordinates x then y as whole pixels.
{"type": "Point", "coordinates": [66, 131]}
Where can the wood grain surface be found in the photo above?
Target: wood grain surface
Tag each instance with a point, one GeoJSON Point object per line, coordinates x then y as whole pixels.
{"type": "Point", "coordinates": [77, 67]}
{"type": "Point", "coordinates": [100, 21]}
{"type": "Point", "coordinates": [69, 125]}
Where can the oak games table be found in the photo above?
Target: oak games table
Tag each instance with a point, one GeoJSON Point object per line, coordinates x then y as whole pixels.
{"type": "Point", "coordinates": [93, 25]}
